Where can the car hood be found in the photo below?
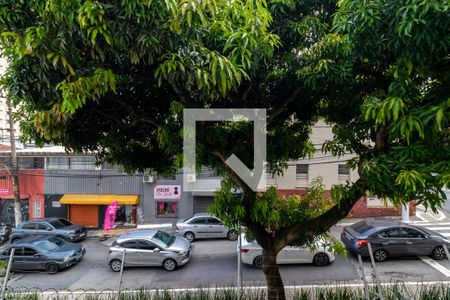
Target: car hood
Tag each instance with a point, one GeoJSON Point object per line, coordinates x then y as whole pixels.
{"type": "Point", "coordinates": [66, 249]}
{"type": "Point", "coordinates": [180, 244]}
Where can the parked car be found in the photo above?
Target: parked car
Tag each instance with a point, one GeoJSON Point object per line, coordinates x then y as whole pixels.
{"type": "Point", "coordinates": [150, 248]}
{"type": "Point", "coordinates": [50, 226]}
{"type": "Point", "coordinates": [389, 238]}
{"type": "Point", "coordinates": [48, 253]}
{"type": "Point", "coordinates": [5, 232]}
{"type": "Point", "coordinates": [252, 254]}
{"type": "Point", "coordinates": [202, 226]}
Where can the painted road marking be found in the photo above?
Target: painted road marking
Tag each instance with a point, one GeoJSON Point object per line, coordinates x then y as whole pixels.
{"type": "Point", "coordinates": [435, 265]}
{"type": "Point", "coordinates": [437, 228]}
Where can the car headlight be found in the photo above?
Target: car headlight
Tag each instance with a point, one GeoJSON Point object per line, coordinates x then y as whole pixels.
{"type": "Point", "coordinates": [66, 258]}
{"type": "Point", "coordinates": [182, 252]}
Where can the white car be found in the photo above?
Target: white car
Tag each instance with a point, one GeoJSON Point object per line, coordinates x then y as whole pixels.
{"type": "Point", "coordinates": [252, 254]}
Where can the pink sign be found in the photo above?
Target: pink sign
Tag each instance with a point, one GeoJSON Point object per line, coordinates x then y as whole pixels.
{"type": "Point", "coordinates": [110, 216]}
{"type": "Point", "coordinates": [167, 192]}
{"type": "Point", "coordinates": [4, 191]}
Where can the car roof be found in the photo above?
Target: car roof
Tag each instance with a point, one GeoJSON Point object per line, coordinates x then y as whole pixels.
{"type": "Point", "coordinates": [203, 214]}
{"type": "Point", "coordinates": [136, 234]}
{"type": "Point", "coordinates": [26, 241]}
{"type": "Point", "coordinates": [376, 225]}
{"type": "Point", "coordinates": [41, 220]}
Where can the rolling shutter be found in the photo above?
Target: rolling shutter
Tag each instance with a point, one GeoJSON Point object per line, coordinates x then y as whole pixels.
{"type": "Point", "coordinates": [86, 215]}
{"type": "Point", "coordinates": [201, 203]}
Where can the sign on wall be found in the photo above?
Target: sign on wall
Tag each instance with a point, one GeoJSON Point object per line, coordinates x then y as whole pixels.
{"type": "Point", "coordinates": [167, 192]}
{"type": "Point", "coordinates": [4, 191]}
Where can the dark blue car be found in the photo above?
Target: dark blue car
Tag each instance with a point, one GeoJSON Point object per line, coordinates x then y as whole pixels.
{"type": "Point", "coordinates": [43, 253]}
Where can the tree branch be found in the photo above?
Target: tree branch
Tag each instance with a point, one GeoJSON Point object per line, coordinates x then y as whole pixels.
{"type": "Point", "coordinates": [325, 221]}
{"type": "Point", "coordinates": [283, 105]}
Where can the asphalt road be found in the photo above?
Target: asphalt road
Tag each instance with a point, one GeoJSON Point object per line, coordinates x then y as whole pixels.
{"type": "Point", "coordinates": [214, 263]}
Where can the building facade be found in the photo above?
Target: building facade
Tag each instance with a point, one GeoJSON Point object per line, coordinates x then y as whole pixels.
{"type": "Point", "coordinates": [56, 183]}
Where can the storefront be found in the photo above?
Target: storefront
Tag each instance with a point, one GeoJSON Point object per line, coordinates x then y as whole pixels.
{"type": "Point", "coordinates": [201, 203]}
{"type": "Point", "coordinates": [167, 199]}
{"type": "Point", "coordinates": [89, 209]}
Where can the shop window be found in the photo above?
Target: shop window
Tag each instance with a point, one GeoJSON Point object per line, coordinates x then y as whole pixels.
{"type": "Point", "coordinates": [166, 209]}
{"type": "Point", "coordinates": [37, 209]}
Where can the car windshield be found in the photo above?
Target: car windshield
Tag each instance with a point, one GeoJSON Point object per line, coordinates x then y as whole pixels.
{"type": "Point", "coordinates": [65, 222]}
{"type": "Point", "coordinates": [57, 224]}
{"type": "Point", "coordinates": [48, 245]}
{"type": "Point", "coordinates": [361, 227]}
{"type": "Point", "coordinates": [164, 237]}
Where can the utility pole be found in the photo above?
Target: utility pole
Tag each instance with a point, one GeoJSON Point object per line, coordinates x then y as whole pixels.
{"type": "Point", "coordinates": [14, 165]}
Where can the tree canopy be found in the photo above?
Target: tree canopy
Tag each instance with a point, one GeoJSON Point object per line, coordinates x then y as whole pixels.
{"type": "Point", "coordinates": [113, 77]}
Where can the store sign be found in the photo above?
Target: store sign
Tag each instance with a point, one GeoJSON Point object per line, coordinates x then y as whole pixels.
{"type": "Point", "coordinates": [4, 191]}
{"type": "Point", "coordinates": [167, 192]}
{"type": "Point", "coordinates": [56, 204]}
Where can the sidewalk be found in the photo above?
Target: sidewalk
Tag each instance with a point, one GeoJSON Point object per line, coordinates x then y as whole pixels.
{"type": "Point", "coordinates": [169, 227]}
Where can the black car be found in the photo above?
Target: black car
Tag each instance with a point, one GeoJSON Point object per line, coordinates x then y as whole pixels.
{"type": "Point", "coordinates": [389, 238]}
{"type": "Point", "coordinates": [58, 227]}
{"type": "Point", "coordinates": [47, 253]}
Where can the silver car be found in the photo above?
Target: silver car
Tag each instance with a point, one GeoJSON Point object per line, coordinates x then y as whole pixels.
{"type": "Point", "coordinates": [202, 226]}
{"type": "Point", "coordinates": [150, 248]}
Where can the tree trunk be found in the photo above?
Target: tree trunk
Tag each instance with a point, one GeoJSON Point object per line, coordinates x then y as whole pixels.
{"type": "Point", "coordinates": [275, 286]}
{"type": "Point", "coordinates": [14, 166]}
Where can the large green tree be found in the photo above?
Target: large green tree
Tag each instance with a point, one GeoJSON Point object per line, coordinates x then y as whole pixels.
{"type": "Point", "coordinates": [114, 76]}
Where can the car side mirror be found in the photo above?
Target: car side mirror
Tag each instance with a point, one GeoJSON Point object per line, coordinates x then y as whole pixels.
{"type": "Point", "coordinates": [37, 255]}
{"type": "Point", "coordinates": [156, 250]}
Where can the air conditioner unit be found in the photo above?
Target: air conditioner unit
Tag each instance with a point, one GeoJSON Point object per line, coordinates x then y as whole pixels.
{"type": "Point", "coordinates": [191, 178]}
{"type": "Point", "coordinates": [148, 179]}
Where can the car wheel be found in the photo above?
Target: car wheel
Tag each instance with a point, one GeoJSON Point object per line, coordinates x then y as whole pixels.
{"type": "Point", "coordinates": [51, 268]}
{"type": "Point", "coordinates": [380, 255]}
{"type": "Point", "coordinates": [169, 264]}
{"type": "Point", "coordinates": [189, 236]}
{"type": "Point", "coordinates": [232, 235]}
{"type": "Point", "coordinates": [116, 265]}
{"type": "Point", "coordinates": [439, 253]}
{"type": "Point", "coordinates": [321, 259]}
{"type": "Point", "coordinates": [258, 262]}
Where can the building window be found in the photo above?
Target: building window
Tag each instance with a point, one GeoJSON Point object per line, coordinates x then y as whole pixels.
{"type": "Point", "coordinates": [343, 170]}
{"type": "Point", "coordinates": [167, 209]}
{"type": "Point", "coordinates": [37, 209]}
{"type": "Point", "coordinates": [206, 172]}
{"type": "Point", "coordinates": [57, 163]}
{"type": "Point", "coordinates": [302, 171]}
{"type": "Point", "coordinates": [82, 163]}
{"type": "Point", "coordinates": [31, 162]}
{"type": "Point", "coordinates": [343, 173]}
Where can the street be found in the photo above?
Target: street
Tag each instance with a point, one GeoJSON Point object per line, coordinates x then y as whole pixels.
{"type": "Point", "coordinates": [214, 263]}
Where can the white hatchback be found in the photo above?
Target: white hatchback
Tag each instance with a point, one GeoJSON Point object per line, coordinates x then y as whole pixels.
{"type": "Point", "coordinates": [252, 254]}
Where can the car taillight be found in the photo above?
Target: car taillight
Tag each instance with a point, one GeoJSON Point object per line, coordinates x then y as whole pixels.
{"type": "Point", "coordinates": [361, 243]}
{"type": "Point", "coordinates": [245, 250]}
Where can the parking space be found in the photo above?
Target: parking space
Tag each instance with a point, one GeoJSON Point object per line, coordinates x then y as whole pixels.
{"type": "Point", "coordinates": [214, 263]}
